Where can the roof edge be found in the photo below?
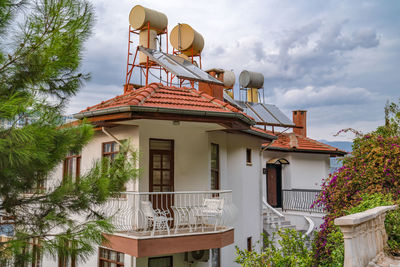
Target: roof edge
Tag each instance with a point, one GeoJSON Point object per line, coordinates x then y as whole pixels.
{"type": "Point", "coordinates": [337, 152]}
{"type": "Point", "coordinates": [260, 134]}
{"type": "Point", "coordinates": [131, 108]}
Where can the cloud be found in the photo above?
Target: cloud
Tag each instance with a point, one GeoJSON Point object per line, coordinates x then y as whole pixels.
{"type": "Point", "coordinates": [338, 59]}
{"type": "Point", "coordinates": [311, 96]}
{"type": "Point", "coordinates": [92, 95]}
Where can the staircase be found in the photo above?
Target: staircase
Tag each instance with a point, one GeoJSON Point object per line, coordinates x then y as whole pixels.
{"type": "Point", "coordinates": [273, 221]}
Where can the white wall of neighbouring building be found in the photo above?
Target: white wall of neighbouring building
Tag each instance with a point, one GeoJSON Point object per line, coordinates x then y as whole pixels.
{"type": "Point", "coordinates": [304, 171]}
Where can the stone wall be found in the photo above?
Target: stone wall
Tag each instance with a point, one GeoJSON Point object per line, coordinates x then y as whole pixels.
{"type": "Point", "coordinates": [364, 235]}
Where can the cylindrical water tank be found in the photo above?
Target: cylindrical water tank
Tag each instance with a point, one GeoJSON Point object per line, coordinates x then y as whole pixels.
{"type": "Point", "coordinates": [249, 79]}
{"type": "Point", "coordinates": [184, 38]}
{"type": "Point", "coordinates": [229, 79]}
{"type": "Point", "coordinates": [146, 42]}
{"type": "Point", "coordinates": [140, 16]}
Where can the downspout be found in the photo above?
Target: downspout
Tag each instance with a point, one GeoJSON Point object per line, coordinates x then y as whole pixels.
{"type": "Point", "coordinates": [261, 184]}
{"type": "Point", "coordinates": [110, 135]}
{"type": "Point", "coordinates": [103, 129]}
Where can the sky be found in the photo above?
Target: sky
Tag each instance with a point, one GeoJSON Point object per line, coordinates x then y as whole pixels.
{"type": "Point", "coordinates": [339, 60]}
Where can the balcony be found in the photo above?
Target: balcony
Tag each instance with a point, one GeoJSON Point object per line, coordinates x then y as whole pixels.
{"type": "Point", "coordinates": [301, 200]}
{"type": "Point", "coordinates": [156, 223]}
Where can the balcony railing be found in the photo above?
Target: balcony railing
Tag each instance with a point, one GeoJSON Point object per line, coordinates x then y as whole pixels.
{"type": "Point", "coordinates": [301, 200]}
{"type": "Point", "coordinates": [170, 213]}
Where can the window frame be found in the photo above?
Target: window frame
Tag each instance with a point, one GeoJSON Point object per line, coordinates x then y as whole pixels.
{"type": "Point", "coordinates": [249, 153]}
{"type": "Point", "coordinates": [153, 258]}
{"type": "Point", "coordinates": [109, 154]}
{"type": "Point", "coordinates": [33, 246]}
{"type": "Point", "coordinates": [66, 261]}
{"type": "Point", "coordinates": [215, 170]}
{"type": "Point", "coordinates": [104, 260]}
{"type": "Point", "coordinates": [171, 168]}
{"type": "Point", "coordinates": [249, 244]}
{"type": "Point", "coordinates": [77, 168]}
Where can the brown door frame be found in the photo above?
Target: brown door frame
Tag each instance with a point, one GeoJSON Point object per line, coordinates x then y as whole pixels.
{"type": "Point", "coordinates": [171, 153]}
{"type": "Point", "coordinates": [278, 184]}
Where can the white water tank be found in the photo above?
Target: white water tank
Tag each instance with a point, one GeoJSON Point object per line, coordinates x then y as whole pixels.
{"type": "Point", "coordinates": [184, 38]}
{"type": "Point", "coordinates": [146, 42]}
{"type": "Point", "coordinates": [250, 79]}
{"type": "Point", "coordinates": [229, 79]}
{"type": "Point", "coordinates": [140, 16]}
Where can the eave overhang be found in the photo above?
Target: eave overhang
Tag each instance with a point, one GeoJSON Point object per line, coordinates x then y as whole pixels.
{"type": "Point", "coordinates": [315, 151]}
{"type": "Point", "coordinates": [260, 134]}
{"type": "Point", "coordinates": [139, 109]}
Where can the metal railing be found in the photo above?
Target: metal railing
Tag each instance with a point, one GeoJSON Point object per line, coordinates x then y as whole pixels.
{"type": "Point", "coordinates": [169, 213]}
{"type": "Point", "coordinates": [301, 200]}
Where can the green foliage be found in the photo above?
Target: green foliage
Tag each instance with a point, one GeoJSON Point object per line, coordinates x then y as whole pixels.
{"type": "Point", "coordinates": [335, 244]}
{"type": "Point", "coordinates": [370, 202]}
{"type": "Point", "coordinates": [40, 56]}
{"type": "Point", "coordinates": [291, 251]}
{"type": "Point", "coordinates": [392, 226]}
{"type": "Point", "coordinates": [373, 168]}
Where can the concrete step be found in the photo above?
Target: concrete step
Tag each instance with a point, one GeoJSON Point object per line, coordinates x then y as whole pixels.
{"type": "Point", "coordinates": [285, 223]}
{"type": "Point", "coordinates": [288, 226]}
{"type": "Point", "coordinates": [272, 219]}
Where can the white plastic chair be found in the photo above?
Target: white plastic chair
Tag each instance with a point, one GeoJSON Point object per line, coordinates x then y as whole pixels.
{"type": "Point", "coordinates": [156, 218]}
{"type": "Point", "coordinates": [212, 207]}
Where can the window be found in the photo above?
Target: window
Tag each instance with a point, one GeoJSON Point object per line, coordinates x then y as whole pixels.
{"type": "Point", "coordinates": [214, 167]}
{"type": "Point", "coordinates": [72, 166]}
{"type": "Point", "coordinates": [215, 257]}
{"type": "Point", "coordinates": [34, 249]}
{"type": "Point", "coordinates": [160, 262]}
{"type": "Point", "coordinates": [248, 156]}
{"type": "Point", "coordinates": [249, 244]}
{"type": "Point", "coordinates": [110, 149]}
{"type": "Point", "coordinates": [109, 258]}
{"type": "Point", "coordinates": [65, 261]}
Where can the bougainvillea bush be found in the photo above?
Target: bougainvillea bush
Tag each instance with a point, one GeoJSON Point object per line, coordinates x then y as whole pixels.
{"type": "Point", "coordinates": [373, 167]}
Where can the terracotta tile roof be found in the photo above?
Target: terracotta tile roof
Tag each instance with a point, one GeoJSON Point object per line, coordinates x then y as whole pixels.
{"type": "Point", "coordinates": [298, 143]}
{"type": "Point", "coordinates": [161, 96]}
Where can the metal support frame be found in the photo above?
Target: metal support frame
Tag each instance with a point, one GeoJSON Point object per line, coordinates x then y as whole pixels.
{"type": "Point", "coordinates": [143, 69]}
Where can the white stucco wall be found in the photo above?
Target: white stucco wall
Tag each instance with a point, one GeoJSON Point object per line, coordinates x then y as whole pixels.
{"type": "Point", "coordinates": [304, 171]}
{"type": "Point", "coordinates": [244, 180]}
{"type": "Point", "coordinates": [192, 163]}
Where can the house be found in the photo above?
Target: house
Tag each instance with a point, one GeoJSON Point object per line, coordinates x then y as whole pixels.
{"type": "Point", "coordinates": [211, 180]}
{"type": "Point", "coordinates": [295, 168]}
{"type": "Point", "coordinates": [193, 149]}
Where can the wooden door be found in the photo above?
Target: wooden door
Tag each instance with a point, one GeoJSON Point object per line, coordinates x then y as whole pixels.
{"type": "Point", "coordinates": [274, 185]}
{"type": "Point", "coordinates": [161, 176]}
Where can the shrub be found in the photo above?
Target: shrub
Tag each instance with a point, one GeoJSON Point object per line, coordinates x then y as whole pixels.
{"type": "Point", "coordinates": [291, 251]}
{"type": "Point", "coordinates": [334, 240]}
{"type": "Point", "coordinates": [373, 168]}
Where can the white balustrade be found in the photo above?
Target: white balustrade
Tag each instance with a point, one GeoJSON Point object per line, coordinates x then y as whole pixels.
{"type": "Point", "coordinates": [364, 235]}
{"type": "Point", "coordinates": [169, 213]}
